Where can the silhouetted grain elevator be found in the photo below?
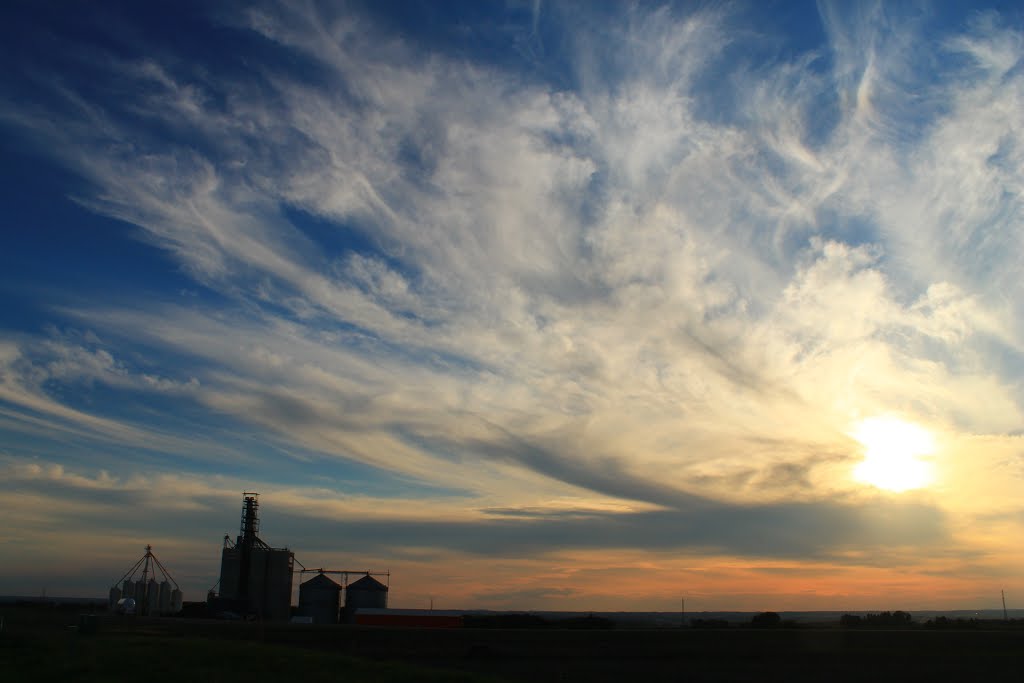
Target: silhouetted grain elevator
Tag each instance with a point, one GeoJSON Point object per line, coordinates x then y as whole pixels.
{"type": "Point", "coordinates": [255, 579]}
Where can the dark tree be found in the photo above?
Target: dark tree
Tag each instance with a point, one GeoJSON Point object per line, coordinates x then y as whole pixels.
{"type": "Point", "coordinates": [766, 620]}
{"type": "Point", "coordinates": [881, 620]}
{"type": "Point", "coordinates": [850, 621]}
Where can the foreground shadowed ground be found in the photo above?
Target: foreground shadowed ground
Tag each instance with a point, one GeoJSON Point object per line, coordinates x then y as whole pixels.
{"type": "Point", "coordinates": [36, 648]}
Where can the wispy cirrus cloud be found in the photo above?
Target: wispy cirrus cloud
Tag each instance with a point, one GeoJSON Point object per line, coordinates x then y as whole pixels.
{"type": "Point", "coordinates": [666, 279]}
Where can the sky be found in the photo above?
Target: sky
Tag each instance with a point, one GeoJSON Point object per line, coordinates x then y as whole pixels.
{"type": "Point", "coordinates": [536, 305]}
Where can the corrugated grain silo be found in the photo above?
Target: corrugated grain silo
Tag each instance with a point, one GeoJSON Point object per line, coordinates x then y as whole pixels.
{"type": "Point", "coordinates": [115, 595]}
{"type": "Point", "coordinates": [148, 596]}
{"type": "Point", "coordinates": [320, 598]}
{"type": "Point", "coordinates": [165, 597]}
{"type": "Point", "coordinates": [152, 597]}
{"type": "Point", "coordinates": [270, 582]}
{"type": "Point", "coordinates": [230, 570]}
{"type": "Point", "coordinates": [366, 592]}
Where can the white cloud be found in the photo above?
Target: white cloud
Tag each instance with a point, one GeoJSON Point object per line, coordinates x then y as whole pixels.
{"type": "Point", "coordinates": [607, 273]}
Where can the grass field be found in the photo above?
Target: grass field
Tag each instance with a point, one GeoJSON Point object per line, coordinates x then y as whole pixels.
{"type": "Point", "coordinates": [40, 645]}
{"type": "Point", "coordinates": [43, 646]}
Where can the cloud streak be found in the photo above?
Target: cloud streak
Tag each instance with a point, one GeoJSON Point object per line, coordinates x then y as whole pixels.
{"type": "Point", "coordinates": [633, 267]}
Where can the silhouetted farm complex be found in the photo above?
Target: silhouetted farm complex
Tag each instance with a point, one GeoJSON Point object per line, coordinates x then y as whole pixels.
{"type": "Point", "coordinates": [255, 584]}
{"type": "Point", "coordinates": [248, 630]}
{"type": "Point", "coordinates": [256, 581]}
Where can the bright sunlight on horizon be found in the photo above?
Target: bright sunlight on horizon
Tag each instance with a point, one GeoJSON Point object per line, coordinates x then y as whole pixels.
{"type": "Point", "coordinates": [534, 304]}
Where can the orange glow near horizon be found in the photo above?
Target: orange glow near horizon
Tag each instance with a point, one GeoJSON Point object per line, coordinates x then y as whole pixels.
{"type": "Point", "coordinates": [708, 584]}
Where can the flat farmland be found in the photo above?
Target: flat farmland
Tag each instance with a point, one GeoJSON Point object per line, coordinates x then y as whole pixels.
{"type": "Point", "coordinates": [50, 647]}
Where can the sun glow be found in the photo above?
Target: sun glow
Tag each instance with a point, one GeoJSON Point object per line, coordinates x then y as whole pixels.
{"type": "Point", "coordinates": [894, 453]}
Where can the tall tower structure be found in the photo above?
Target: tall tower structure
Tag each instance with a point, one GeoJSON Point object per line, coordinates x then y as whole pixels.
{"type": "Point", "coordinates": [248, 538]}
{"type": "Point", "coordinates": [255, 578]}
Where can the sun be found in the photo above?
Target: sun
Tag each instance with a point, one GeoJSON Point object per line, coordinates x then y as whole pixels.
{"type": "Point", "coordinates": [894, 452]}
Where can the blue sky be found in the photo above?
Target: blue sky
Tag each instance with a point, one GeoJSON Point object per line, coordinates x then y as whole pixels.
{"type": "Point", "coordinates": [573, 303]}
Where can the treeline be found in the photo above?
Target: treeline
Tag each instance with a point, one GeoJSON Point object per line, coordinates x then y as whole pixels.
{"type": "Point", "coordinates": [897, 619]}
{"type": "Point", "coordinates": [946, 622]}
{"type": "Point", "coordinates": [760, 620]}
{"type": "Point", "coordinates": [903, 620]}
{"type": "Point", "coordinates": [64, 604]}
{"type": "Point", "coordinates": [963, 624]}
{"type": "Point", "coordinates": [535, 621]}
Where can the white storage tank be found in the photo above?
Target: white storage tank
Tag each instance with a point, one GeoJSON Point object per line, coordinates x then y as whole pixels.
{"type": "Point", "coordinates": [176, 601]}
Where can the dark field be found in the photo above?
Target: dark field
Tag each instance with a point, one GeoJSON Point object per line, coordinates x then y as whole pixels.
{"type": "Point", "coordinates": [41, 645]}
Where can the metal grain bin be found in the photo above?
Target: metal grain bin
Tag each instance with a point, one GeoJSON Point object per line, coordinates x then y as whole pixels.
{"type": "Point", "coordinates": [366, 592]}
{"type": "Point", "coordinates": [320, 598]}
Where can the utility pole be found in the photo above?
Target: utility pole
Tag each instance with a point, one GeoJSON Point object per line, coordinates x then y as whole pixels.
{"type": "Point", "coordinates": [1005, 617]}
{"type": "Point", "coordinates": [682, 614]}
